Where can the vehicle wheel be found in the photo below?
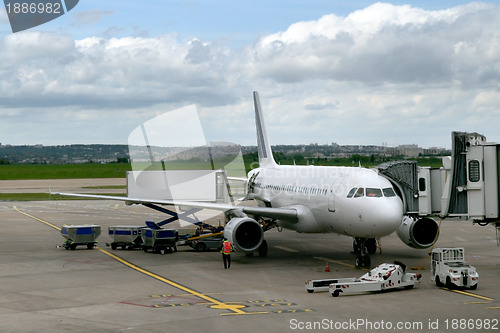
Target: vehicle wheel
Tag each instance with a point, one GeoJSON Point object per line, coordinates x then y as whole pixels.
{"type": "Point", "coordinates": [448, 283]}
{"type": "Point", "coordinates": [124, 247]}
{"type": "Point", "coordinates": [72, 247]}
{"type": "Point", "coordinates": [113, 246]}
{"type": "Point", "coordinates": [438, 281]}
{"type": "Point", "coordinates": [336, 293]}
{"type": "Point", "coordinates": [145, 249]}
{"type": "Point", "coordinates": [310, 291]}
{"type": "Point", "coordinates": [201, 247]}
{"type": "Point", "coordinates": [90, 246]}
{"type": "Point", "coordinates": [474, 287]}
{"type": "Point", "coordinates": [409, 287]}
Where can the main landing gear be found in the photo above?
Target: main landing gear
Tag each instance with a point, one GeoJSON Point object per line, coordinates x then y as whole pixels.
{"type": "Point", "coordinates": [363, 247]}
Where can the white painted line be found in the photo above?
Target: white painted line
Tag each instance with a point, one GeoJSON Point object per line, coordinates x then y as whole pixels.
{"type": "Point", "coordinates": [286, 248]}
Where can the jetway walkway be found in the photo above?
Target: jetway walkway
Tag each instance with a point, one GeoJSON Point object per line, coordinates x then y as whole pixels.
{"type": "Point", "coordinates": [467, 186]}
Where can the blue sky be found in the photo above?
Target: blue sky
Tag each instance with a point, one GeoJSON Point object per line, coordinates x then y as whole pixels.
{"type": "Point", "coordinates": [351, 72]}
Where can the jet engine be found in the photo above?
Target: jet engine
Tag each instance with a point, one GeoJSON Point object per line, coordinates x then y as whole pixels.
{"type": "Point", "coordinates": [418, 233]}
{"type": "Point", "coordinates": [244, 233]}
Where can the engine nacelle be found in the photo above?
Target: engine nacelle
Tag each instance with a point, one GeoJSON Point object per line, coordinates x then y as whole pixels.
{"type": "Point", "coordinates": [418, 233]}
{"type": "Point", "coordinates": [244, 233]}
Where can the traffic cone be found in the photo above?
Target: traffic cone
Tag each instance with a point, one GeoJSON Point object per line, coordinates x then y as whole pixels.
{"type": "Point", "coordinates": [327, 267]}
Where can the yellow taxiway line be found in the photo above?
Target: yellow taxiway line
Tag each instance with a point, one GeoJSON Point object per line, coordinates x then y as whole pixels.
{"type": "Point", "coordinates": [219, 305]}
{"type": "Point", "coordinates": [466, 293]}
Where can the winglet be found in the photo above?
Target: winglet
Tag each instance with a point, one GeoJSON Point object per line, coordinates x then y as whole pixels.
{"type": "Point", "coordinates": [264, 148]}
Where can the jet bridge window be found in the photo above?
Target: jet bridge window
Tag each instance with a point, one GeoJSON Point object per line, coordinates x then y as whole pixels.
{"type": "Point", "coordinates": [474, 173]}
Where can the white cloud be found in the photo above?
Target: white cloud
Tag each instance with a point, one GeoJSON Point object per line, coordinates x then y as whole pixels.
{"type": "Point", "coordinates": [90, 16]}
{"type": "Point", "coordinates": [398, 73]}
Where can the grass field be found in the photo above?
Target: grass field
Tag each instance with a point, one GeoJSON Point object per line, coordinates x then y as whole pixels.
{"type": "Point", "coordinates": [63, 171]}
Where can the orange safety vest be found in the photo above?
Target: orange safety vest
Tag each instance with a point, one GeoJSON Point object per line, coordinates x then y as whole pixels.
{"type": "Point", "coordinates": [226, 247]}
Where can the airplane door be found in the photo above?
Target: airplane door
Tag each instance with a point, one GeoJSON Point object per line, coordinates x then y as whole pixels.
{"type": "Point", "coordinates": [331, 201]}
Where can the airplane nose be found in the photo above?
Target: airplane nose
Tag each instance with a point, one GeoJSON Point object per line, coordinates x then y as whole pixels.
{"type": "Point", "coordinates": [383, 219]}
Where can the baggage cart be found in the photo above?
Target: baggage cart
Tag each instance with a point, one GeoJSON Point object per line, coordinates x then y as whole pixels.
{"type": "Point", "coordinates": [125, 236]}
{"type": "Point", "coordinates": [80, 235]}
{"type": "Point", "coordinates": [159, 240]}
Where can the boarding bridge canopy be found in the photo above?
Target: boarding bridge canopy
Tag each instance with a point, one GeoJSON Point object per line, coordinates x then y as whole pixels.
{"type": "Point", "coordinates": [403, 175]}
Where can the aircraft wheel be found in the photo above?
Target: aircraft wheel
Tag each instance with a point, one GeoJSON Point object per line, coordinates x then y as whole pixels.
{"type": "Point", "coordinates": [363, 261]}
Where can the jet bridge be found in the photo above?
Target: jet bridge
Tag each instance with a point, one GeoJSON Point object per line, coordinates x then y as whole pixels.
{"type": "Point", "coordinates": [467, 186]}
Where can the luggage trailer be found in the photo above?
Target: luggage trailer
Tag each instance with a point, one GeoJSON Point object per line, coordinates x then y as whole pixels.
{"type": "Point", "coordinates": [80, 235]}
{"type": "Point", "coordinates": [125, 236]}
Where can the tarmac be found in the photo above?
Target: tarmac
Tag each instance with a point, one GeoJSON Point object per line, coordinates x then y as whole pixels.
{"type": "Point", "coordinates": [45, 288]}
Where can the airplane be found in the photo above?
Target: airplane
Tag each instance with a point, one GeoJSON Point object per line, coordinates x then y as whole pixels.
{"type": "Point", "coordinates": [352, 201]}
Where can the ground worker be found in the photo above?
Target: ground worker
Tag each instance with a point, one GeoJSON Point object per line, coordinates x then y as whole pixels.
{"type": "Point", "coordinates": [226, 253]}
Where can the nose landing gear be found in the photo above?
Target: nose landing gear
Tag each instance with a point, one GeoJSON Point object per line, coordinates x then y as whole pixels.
{"type": "Point", "coordinates": [363, 247]}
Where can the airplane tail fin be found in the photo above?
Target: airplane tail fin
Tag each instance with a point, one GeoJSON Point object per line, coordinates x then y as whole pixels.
{"type": "Point", "coordinates": [266, 158]}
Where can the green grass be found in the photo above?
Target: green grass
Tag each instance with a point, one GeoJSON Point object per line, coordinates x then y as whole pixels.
{"type": "Point", "coordinates": [63, 171]}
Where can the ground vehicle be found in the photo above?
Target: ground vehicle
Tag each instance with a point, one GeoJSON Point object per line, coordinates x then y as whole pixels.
{"type": "Point", "coordinates": [382, 277]}
{"type": "Point", "coordinates": [125, 236]}
{"type": "Point", "coordinates": [159, 240]}
{"type": "Point", "coordinates": [448, 267]}
{"type": "Point", "coordinates": [85, 234]}
{"type": "Point", "coordinates": [205, 244]}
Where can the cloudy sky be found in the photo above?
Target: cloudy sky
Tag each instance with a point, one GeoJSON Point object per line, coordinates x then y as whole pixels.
{"type": "Point", "coordinates": [350, 72]}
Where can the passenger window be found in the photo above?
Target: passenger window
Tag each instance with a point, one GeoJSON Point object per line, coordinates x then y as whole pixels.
{"type": "Point", "coordinates": [360, 192]}
{"type": "Point", "coordinates": [373, 192]}
{"type": "Point", "coordinates": [388, 192]}
{"type": "Point", "coordinates": [351, 192]}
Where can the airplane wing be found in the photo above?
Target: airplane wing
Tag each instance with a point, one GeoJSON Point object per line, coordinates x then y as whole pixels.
{"type": "Point", "coordinates": [283, 213]}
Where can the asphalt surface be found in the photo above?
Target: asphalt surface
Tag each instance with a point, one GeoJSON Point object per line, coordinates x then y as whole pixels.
{"type": "Point", "coordinates": [45, 288]}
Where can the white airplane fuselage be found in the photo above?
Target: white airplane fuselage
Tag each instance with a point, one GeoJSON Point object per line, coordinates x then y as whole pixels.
{"type": "Point", "coordinates": [324, 199]}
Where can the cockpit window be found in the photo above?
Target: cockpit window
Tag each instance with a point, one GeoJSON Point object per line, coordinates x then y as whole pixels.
{"type": "Point", "coordinates": [388, 192]}
{"type": "Point", "coordinates": [360, 192]}
{"type": "Point", "coordinates": [373, 192]}
{"type": "Point", "coordinates": [351, 192]}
